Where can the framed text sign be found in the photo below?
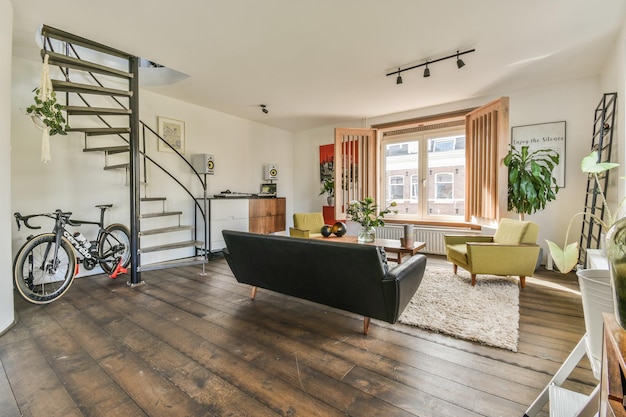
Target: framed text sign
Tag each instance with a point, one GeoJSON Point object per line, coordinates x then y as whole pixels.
{"type": "Point", "coordinates": [543, 136]}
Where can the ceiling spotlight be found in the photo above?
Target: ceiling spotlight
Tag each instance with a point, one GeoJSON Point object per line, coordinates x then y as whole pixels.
{"type": "Point", "coordinates": [264, 108]}
{"type": "Point", "coordinates": [459, 61]}
{"type": "Point", "coordinates": [429, 61]}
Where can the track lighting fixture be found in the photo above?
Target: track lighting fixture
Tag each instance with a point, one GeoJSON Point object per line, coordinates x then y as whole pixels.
{"type": "Point", "coordinates": [264, 108]}
{"type": "Point", "coordinates": [459, 64]}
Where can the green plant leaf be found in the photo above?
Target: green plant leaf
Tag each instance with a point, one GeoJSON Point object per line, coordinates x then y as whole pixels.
{"type": "Point", "coordinates": [590, 164]}
{"type": "Point", "coordinates": [564, 259]}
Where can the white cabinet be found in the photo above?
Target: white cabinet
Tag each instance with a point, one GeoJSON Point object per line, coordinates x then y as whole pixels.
{"type": "Point", "coordinates": [226, 214]}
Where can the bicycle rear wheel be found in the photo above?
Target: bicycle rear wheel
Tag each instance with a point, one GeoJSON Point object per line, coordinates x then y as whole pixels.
{"type": "Point", "coordinates": [113, 244]}
{"type": "Point", "coordinates": [38, 276]}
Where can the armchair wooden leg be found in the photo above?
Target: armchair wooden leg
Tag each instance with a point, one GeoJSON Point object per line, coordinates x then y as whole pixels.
{"type": "Point", "coordinates": [473, 280]}
{"type": "Point", "coordinates": [253, 293]}
{"type": "Point", "coordinates": [455, 268]}
{"type": "Point", "coordinates": [366, 325]}
{"type": "Point", "coordinates": [522, 281]}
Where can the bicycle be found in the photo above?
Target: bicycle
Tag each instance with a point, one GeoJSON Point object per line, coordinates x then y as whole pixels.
{"type": "Point", "coordinates": [45, 266]}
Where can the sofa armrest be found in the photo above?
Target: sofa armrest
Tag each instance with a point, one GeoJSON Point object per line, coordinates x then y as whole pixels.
{"type": "Point", "coordinates": [401, 283]}
{"type": "Point", "coordinates": [458, 239]}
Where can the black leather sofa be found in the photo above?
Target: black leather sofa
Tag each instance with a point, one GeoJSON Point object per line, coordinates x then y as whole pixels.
{"type": "Point", "coordinates": [347, 276]}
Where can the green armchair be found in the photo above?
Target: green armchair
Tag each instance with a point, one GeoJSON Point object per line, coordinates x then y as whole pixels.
{"type": "Point", "coordinates": [307, 224]}
{"type": "Point", "coordinates": [512, 250]}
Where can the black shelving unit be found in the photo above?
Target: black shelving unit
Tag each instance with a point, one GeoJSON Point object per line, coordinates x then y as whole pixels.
{"type": "Point", "coordinates": [604, 121]}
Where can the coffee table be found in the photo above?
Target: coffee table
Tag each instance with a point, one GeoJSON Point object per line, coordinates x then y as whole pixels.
{"type": "Point", "coordinates": [390, 245]}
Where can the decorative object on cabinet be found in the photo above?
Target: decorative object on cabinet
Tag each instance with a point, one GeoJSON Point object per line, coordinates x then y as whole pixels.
{"type": "Point", "coordinates": [173, 133]}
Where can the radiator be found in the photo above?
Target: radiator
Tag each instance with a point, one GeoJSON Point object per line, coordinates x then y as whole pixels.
{"type": "Point", "coordinates": [432, 236]}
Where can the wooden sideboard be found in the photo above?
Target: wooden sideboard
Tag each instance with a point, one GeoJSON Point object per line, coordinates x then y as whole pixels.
{"type": "Point", "coordinates": [267, 215]}
{"type": "Point", "coordinates": [613, 369]}
{"type": "Point", "coordinates": [256, 215]}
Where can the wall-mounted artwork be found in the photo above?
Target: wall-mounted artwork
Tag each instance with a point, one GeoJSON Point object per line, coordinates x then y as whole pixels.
{"type": "Point", "coordinates": [543, 136]}
{"type": "Point", "coordinates": [173, 132]}
{"type": "Point", "coordinates": [327, 166]}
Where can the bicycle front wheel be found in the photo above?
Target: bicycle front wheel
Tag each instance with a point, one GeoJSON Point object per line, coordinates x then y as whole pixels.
{"type": "Point", "coordinates": [38, 275]}
{"type": "Point", "coordinates": [113, 244]}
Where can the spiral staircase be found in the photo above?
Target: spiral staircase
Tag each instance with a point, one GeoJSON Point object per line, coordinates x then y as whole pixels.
{"type": "Point", "coordinates": [101, 90]}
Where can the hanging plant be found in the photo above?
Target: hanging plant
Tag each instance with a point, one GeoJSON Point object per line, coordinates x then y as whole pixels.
{"type": "Point", "coordinates": [49, 112]}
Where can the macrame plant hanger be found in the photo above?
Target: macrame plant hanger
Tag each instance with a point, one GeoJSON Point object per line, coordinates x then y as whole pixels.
{"type": "Point", "coordinates": [45, 93]}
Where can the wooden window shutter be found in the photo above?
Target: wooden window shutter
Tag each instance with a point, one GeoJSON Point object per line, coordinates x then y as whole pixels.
{"type": "Point", "coordinates": [487, 139]}
{"type": "Point", "coordinates": [355, 167]}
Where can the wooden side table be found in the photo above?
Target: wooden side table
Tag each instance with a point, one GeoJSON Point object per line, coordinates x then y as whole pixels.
{"type": "Point", "coordinates": [612, 394]}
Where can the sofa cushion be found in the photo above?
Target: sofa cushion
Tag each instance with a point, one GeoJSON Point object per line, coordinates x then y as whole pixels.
{"type": "Point", "coordinates": [510, 232]}
{"type": "Point", "coordinates": [458, 253]}
{"type": "Point", "coordinates": [309, 221]}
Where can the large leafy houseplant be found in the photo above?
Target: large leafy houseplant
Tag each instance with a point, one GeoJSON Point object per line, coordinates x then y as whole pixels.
{"type": "Point", "coordinates": [531, 184]}
{"type": "Point", "coordinates": [566, 258]}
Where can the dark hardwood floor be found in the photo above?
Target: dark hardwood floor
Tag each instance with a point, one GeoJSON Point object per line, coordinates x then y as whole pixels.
{"type": "Point", "coordinates": [191, 345]}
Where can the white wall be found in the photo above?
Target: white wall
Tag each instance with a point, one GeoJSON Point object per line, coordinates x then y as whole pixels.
{"type": "Point", "coordinates": [6, 284]}
{"type": "Point", "coordinates": [572, 101]}
{"type": "Point", "coordinates": [75, 181]}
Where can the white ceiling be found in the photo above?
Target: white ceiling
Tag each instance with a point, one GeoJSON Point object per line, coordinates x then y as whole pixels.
{"type": "Point", "coordinates": [321, 62]}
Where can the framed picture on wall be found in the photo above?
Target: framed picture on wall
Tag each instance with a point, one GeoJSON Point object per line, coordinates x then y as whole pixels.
{"type": "Point", "coordinates": [543, 136]}
{"type": "Point", "coordinates": [173, 132]}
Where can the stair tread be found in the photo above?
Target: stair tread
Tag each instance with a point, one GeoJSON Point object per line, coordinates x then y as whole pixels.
{"type": "Point", "coordinates": [59, 85]}
{"type": "Point", "coordinates": [169, 246]}
{"type": "Point", "coordinates": [194, 260]}
{"type": "Point", "coordinates": [84, 110]}
{"type": "Point", "coordinates": [160, 214]}
{"type": "Point", "coordinates": [118, 166]}
{"type": "Point", "coordinates": [82, 65]}
{"type": "Point", "coordinates": [111, 149]}
{"type": "Point", "coordinates": [100, 130]}
{"type": "Point", "coordinates": [165, 230]}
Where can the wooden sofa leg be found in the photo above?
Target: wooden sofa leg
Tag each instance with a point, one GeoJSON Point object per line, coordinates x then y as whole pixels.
{"type": "Point", "coordinates": [455, 268]}
{"type": "Point", "coordinates": [253, 293]}
{"type": "Point", "coordinates": [366, 325]}
{"type": "Point", "coordinates": [522, 281]}
{"type": "Point", "coordinates": [473, 280]}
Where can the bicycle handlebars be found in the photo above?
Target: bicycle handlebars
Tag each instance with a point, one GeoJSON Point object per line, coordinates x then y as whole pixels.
{"type": "Point", "coordinates": [56, 215]}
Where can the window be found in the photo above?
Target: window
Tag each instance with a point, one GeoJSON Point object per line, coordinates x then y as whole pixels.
{"type": "Point", "coordinates": [433, 163]}
{"type": "Point", "coordinates": [396, 188]}
{"type": "Point", "coordinates": [444, 185]}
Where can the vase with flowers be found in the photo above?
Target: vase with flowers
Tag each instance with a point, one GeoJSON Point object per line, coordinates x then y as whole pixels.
{"type": "Point", "coordinates": [366, 213]}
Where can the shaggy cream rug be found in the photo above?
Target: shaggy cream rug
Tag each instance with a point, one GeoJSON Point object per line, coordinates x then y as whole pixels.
{"type": "Point", "coordinates": [446, 303]}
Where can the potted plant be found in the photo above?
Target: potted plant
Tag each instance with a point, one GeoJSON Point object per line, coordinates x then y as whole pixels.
{"type": "Point", "coordinates": [531, 183]}
{"type": "Point", "coordinates": [328, 187]}
{"type": "Point", "coordinates": [365, 212]}
{"type": "Point", "coordinates": [48, 113]}
{"type": "Point", "coordinates": [566, 258]}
